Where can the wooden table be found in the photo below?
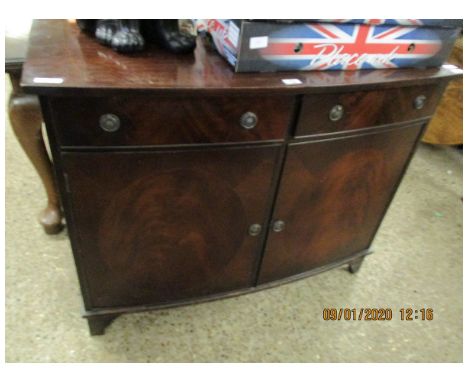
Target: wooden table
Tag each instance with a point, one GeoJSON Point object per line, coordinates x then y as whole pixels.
{"type": "Point", "coordinates": [26, 121]}
{"type": "Point", "coordinates": [185, 182]}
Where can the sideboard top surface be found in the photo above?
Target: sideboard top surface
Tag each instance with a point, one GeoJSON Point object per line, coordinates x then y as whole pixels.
{"type": "Point", "coordinates": [61, 60]}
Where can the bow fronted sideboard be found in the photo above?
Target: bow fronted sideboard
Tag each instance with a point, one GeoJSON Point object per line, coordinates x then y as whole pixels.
{"type": "Point", "coordinates": [183, 182]}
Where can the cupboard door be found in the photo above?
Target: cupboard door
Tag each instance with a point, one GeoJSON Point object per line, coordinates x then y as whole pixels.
{"type": "Point", "coordinates": [332, 197]}
{"type": "Point", "coordinates": [163, 226]}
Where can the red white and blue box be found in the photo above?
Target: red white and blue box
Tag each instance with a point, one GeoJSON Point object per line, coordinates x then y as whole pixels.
{"type": "Point", "coordinates": [288, 45]}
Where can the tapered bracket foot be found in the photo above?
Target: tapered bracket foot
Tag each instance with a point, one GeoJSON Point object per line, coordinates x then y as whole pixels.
{"type": "Point", "coordinates": [355, 265]}
{"type": "Point", "coordinates": [98, 324]}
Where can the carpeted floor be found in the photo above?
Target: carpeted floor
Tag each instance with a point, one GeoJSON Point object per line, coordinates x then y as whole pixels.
{"type": "Point", "coordinates": [417, 263]}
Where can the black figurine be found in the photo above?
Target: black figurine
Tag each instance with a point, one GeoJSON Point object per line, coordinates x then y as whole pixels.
{"type": "Point", "coordinates": [128, 36]}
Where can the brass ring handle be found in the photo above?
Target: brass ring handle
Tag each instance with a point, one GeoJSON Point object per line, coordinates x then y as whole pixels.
{"type": "Point", "coordinates": [419, 102]}
{"type": "Point", "coordinates": [278, 225]}
{"type": "Point", "coordinates": [255, 229]}
{"type": "Point", "coordinates": [109, 122]}
{"type": "Point", "coordinates": [336, 113]}
{"type": "Point", "coordinates": [248, 120]}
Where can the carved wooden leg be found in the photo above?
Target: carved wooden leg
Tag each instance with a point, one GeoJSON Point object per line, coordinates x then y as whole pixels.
{"type": "Point", "coordinates": [26, 121]}
{"type": "Point", "coordinates": [354, 265]}
{"type": "Point", "coordinates": [98, 324]}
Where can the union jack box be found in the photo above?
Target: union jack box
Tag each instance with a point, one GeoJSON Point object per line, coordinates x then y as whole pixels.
{"type": "Point", "coordinates": [287, 45]}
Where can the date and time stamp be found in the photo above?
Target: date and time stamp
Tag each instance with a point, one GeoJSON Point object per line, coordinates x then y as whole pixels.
{"type": "Point", "coordinates": [378, 314]}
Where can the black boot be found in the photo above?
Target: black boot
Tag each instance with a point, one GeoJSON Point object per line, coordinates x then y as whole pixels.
{"type": "Point", "coordinates": [105, 30]}
{"type": "Point", "coordinates": [166, 34]}
{"type": "Point", "coordinates": [128, 37]}
{"type": "Point", "coordinates": [87, 25]}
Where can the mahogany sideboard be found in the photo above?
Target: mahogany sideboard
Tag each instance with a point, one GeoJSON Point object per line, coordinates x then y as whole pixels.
{"type": "Point", "coordinates": [182, 181]}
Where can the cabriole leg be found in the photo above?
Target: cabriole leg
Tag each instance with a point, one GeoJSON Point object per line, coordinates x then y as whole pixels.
{"type": "Point", "coordinates": [26, 121]}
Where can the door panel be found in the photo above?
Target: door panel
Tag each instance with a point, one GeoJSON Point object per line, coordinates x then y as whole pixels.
{"type": "Point", "coordinates": [164, 226]}
{"type": "Point", "coordinates": [332, 196]}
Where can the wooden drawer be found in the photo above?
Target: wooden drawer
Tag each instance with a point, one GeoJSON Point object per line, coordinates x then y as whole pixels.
{"type": "Point", "coordinates": [339, 112]}
{"type": "Point", "coordinates": [150, 120]}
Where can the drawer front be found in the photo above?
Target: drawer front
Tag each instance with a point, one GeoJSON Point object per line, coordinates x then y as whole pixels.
{"type": "Point", "coordinates": [150, 120]}
{"type": "Point", "coordinates": [339, 112]}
